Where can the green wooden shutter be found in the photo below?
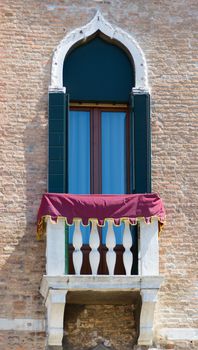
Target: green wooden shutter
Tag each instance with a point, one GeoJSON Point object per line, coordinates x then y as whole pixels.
{"type": "Point", "coordinates": [57, 162]}
{"type": "Point", "coordinates": [141, 144]}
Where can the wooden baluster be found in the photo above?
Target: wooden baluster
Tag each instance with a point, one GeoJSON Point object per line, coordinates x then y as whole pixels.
{"type": "Point", "coordinates": [77, 243]}
{"type": "Point", "coordinates": [110, 243]}
{"type": "Point", "coordinates": [127, 243]}
{"type": "Point", "coordinates": [94, 242]}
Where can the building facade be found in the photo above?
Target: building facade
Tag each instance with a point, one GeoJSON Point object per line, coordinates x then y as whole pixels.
{"type": "Point", "coordinates": [158, 40]}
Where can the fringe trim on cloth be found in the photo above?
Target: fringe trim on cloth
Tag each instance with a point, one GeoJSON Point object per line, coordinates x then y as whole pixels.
{"type": "Point", "coordinates": [42, 224]}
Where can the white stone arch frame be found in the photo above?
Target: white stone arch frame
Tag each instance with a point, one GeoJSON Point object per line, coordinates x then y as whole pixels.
{"type": "Point", "coordinates": [98, 23]}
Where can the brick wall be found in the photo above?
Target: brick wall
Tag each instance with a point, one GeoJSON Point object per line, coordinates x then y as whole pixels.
{"type": "Point", "coordinates": [14, 340]}
{"type": "Point", "coordinates": [30, 30]}
{"type": "Point", "coordinates": [86, 326]}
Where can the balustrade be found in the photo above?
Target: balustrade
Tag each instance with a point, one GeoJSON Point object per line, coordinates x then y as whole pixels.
{"type": "Point", "coordinates": [94, 243]}
{"type": "Point", "coordinates": [57, 230]}
{"type": "Point", "coordinates": [148, 256]}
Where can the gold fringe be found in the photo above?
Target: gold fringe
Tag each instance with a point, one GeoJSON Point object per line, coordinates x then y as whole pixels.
{"type": "Point", "coordinates": [41, 226]}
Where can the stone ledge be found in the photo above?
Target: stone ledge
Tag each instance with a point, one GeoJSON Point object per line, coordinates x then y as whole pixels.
{"type": "Point", "coordinates": [177, 334]}
{"type": "Point", "coordinates": [99, 283]}
{"type": "Point", "coordinates": [22, 324]}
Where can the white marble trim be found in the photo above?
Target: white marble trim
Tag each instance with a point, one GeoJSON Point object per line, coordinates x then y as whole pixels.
{"type": "Point", "coordinates": [22, 324]}
{"type": "Point", "coordinates": [190, 334]}
{"type": "Point", "coordinates": [98, 23]}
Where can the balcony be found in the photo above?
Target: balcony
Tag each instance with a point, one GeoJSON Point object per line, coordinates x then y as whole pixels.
{"type": "Point", "coordinates": [57, 211]}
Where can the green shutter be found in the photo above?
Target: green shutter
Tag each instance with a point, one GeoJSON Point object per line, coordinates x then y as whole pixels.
{"type": "Point", "coordinates": [141, 144]}
{"type": "Point", "coordinates": [57, 142]}
{"type": "Point", "coordinates": [57, 162]}
{"type": "Point", "coordinates": [140, 155]}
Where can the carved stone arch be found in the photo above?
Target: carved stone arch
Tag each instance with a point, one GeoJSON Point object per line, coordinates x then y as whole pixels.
{"type": "Point", "coordinates": [98, 23]}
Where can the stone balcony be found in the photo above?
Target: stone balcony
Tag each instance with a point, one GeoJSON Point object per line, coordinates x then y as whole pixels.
{"type": "Point", "coordinates": [58, 287]}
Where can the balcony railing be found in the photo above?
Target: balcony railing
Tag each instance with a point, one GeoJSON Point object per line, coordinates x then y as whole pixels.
{"type": "Point", "coordinates": [144, 210]}
{"type": "Point", "coordinates": [56, 249]}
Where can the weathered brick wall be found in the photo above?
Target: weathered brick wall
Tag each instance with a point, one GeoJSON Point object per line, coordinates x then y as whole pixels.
{"type": "Point", "coordinates": [86, 326]}
{"type": "Point", "coordinates": [15, 340]}
{"type": "Point", "coordinates": [165, 30]}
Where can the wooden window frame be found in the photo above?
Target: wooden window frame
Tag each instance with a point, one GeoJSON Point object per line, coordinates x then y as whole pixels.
{"type": "Point", "coordinates": [95, 141]}
{"type": "Point", "coordinates": [96, 178]}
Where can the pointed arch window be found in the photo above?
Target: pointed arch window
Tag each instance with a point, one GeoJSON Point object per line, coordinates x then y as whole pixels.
{"type": "Point", "coordinates": [99, 77]}
{"type": "Point", "coordinates": [99, 126]}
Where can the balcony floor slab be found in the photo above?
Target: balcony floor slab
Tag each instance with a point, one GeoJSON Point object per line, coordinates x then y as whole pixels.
{"type": "Point", "coordinates": [99, 283]}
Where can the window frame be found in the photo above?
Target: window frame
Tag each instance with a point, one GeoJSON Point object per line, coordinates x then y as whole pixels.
{"type": "Point", "coordinates": [96, 110]}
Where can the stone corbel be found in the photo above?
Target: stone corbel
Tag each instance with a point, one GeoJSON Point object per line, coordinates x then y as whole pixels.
{"type": "Point", "coordinates": [55, 304]}
{"type": "Point", "coordinates": [149, 298]}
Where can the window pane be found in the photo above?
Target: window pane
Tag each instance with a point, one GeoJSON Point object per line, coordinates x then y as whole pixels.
{"type": "Point", "coordinates": [114, 160]}
{"type": "Point", "coordinates": [79, 159]}
{"type": "Point", "coordinates": [79, 152]}
{"type": "Point", "coordinates": [113, 152]}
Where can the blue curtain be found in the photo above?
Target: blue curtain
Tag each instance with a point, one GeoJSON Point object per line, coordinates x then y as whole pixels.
{"type": "Point", "coordinates": [79, 159]}
{"type": "Point", "coordinates": [113, 127]}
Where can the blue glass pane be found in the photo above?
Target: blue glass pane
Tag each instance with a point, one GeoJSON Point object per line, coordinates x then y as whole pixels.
{"type": "Point", "coordinates": [118, 230]}
{"type": "Point", "coordinates": [79, 159]}
{"type": "Point", "coordinates": [113, 126]}
{"type": "Point", "coordinates": [85, 234]}
{"type": "Point", "coordinates": [113, 152]}
{"type": "Point", "coordinates": [79, 152]}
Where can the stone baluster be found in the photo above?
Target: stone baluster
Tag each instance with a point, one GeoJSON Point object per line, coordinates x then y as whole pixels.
{"type": "Point", "coordinates": [110, 243]}
{"type": "Point", "coordinates": [127, 243]}
{"type": "Point", "coordinates": [94, 242]}
{"type": "Point", "coordinates": [77, 243]}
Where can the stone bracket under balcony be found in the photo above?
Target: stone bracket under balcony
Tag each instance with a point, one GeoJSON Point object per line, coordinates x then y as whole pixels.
{"type": "Point", "coordinates": [58, 290]}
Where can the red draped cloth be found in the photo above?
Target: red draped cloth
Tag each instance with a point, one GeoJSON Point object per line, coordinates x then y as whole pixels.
{"type": "Point", "coordinates": [100, 207]}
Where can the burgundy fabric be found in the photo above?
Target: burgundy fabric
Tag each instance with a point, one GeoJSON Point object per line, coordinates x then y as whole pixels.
{"type": "Point", "coordinates": [131, 206]}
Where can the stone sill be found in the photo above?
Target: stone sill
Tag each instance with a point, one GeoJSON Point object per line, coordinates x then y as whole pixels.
{"type": "Point", "coordinates": [99, 283]}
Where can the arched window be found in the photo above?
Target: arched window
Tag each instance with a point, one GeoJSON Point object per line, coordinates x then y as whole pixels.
{"type": "Point", "coordinates": [99, 78]}
{"type": "Point", "coordinates": [99, 136]}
